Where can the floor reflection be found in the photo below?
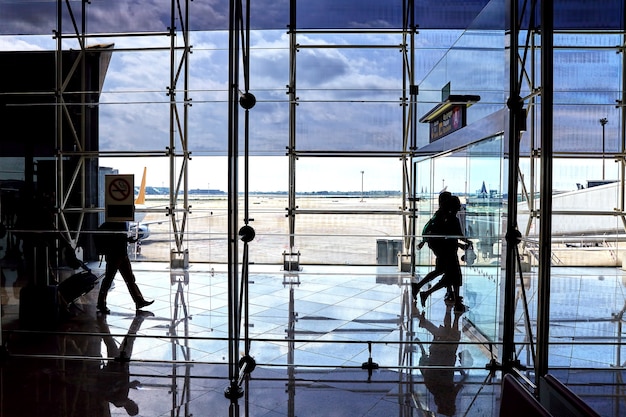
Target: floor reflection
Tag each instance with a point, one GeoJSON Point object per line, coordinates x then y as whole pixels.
{"type": "Point", "coordinates": [438, 364]}
{"type": "Point", "coordinates": [113, 379]}
{"type": "Point", "coordinates": [310, 335]}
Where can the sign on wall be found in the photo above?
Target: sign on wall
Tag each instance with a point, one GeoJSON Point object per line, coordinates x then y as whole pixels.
{"type": "Point", "coordinates": [449, 121]}
{"type": "Point", "coordinates": [450, 115]}
{"type": "Point", "coordinates": [119, 200]}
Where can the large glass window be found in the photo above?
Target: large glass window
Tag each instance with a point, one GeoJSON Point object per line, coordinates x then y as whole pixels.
{"type": "Point", "coordinates": [476, 175]}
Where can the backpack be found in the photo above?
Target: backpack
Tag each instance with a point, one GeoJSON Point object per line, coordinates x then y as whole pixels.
{"type": "Point", "coordinates": [101, 240]}
{"type": "Point", "coordinates": [433, 229]}
{"type": "Point", "coordinates": [110, 237]}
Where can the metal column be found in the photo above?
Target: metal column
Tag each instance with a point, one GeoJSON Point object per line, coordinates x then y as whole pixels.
{"type": "Point", "coordinates": [293, 103]}
{"type": "Point", "coordinates": [409, 142]}
{"type": "Point", "coordinates": [515, 107]}
{"type": "Point", "coordinates": [545, 225]}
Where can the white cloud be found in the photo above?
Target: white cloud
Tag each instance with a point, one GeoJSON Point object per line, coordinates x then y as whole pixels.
{"type": "Point", "coordinates": [26, 43]}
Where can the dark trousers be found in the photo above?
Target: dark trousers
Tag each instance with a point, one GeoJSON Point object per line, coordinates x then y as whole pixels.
{"type": "Point", "coordinates": [121, 263]}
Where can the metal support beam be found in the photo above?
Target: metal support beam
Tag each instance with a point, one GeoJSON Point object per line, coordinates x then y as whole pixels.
{"type": "Point", "coordinates": [233, 391]}
{"type": "Point", "coordinates": [508, 332]}
{"type": "Point", "coordinates": [619, 157]}
{"type": "Point", "coordinates": [409, 134]}
{"type": "Point", "coordinates": [178, 152]}
{"type": "Point", "coordinates": [293, 105]}
{"type": "Point", "coordinates": [78, 130]}
{"type": "Point", "coordinates": [545, 226]}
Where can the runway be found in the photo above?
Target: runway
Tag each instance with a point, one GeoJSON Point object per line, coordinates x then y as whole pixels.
{"type": "Point", "coordinates": [328, 230]}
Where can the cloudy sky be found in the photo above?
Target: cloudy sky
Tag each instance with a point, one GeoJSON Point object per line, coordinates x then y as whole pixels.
{"type": "Point", "coordinates": [349, 98]}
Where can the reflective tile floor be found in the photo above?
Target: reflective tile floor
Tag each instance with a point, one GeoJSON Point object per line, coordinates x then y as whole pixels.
{"type": "Point", "coordinates": [327, 341]}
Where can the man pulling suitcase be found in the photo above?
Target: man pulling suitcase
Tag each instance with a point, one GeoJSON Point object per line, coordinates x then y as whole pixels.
{"type": "Point", "coordinates": [112, 240]}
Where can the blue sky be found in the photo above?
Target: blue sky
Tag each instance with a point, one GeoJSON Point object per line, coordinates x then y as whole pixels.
{"type": "Point", "coordinates": [348, 100]}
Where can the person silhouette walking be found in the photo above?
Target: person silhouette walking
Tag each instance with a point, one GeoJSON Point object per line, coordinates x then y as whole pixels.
{"type": "Point", "coordinates": [112, 238]}
{"type": "Point", "coordinates": [447, 257]}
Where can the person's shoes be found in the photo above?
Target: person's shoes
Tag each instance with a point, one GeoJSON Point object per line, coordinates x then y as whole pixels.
{"type": "Point", "coordinates": [423, 297]}
{"type": "Point", "coordinates": [144, 314]}
{"type": "Point", "coordinates": [143, 303]}
{"type": "Point", "coordinates": [103, 309]}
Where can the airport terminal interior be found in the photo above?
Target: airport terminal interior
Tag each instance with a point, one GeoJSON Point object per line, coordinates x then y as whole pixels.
{"type": "Point", "coordinates": [272, 168]}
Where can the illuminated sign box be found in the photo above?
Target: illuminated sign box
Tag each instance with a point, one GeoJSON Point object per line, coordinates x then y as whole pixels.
{"type": "Point", "coordinates": [449, 115]}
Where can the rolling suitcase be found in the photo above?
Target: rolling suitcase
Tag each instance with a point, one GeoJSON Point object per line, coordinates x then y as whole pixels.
{"type": "Point", "coordinates": [76, 286]}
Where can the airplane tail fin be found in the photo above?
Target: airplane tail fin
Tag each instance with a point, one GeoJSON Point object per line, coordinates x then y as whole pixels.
{"type": "Point", "coordinates": [141, 198]}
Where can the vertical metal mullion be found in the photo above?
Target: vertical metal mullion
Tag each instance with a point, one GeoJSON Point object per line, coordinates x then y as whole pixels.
{"type": "Point", "coordinates": [172, 126]}
{"type": "Point", "coordinates": [178, 124]}
{"type": "Point", "coordinates": [83, 119]}
{"type": "Point", "coordinates": [622, 118]}
{"type": "Point", "coordinates": [186, 98]}
{"type": "Point", "coordinates": [291, 209]}
{"type": "Point", "coordinates": [233, 194]}
{"type": "Point", "coordinates": [413, 138]}
{"type": "Point", "coordinates": [532, 136]}
{"type": "Point", "coordinates": [59, 106]}
{"type": "Point", "coordinates": [545, 225]}
{"type": "Point", "coordinates": [508, 332]}
{"type": "Point", "coordinates": [407, 72]}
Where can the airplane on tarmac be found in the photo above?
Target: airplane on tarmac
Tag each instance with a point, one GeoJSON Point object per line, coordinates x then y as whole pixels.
{"type": "Point", "coordinates": [140, 200]}
{"type": "Point", "coordinates": [139, 228]}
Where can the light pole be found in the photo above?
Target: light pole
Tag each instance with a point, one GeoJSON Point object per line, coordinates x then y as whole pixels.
{"type": "Point", "coordinates": [362, 174]}
{"type": "Point", "coordinates": [603, 122]}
